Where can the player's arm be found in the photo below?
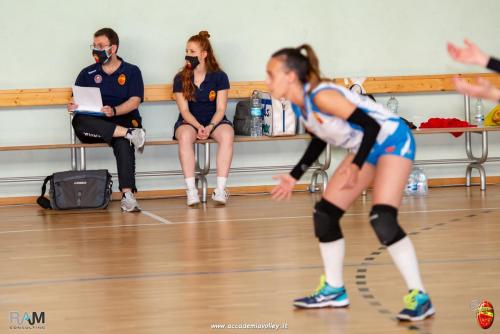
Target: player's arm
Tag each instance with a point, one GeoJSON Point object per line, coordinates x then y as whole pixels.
{"type": "Point", "coordinates": [334, 103]}
{"type": "Point", "coordinates": [312, 153]}
{"type": "Point", "coordinates": [494, 64]}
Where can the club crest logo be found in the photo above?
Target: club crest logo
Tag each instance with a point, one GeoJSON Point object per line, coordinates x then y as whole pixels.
{"type": "Point", "coordinates": [122, 79]}
{"type": "Point", "coordinates": [211, 95]}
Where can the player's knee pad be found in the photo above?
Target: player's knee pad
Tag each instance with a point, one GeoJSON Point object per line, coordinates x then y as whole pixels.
{"type": "Point", "coordinates": [326, 221]}
{"type": "Point", "coordinates": [384, 220]}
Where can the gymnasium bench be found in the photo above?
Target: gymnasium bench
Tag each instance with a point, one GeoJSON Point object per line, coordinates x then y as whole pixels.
{"type": "Point", "coordinates": [153, 93]}
{"type": "Point", "coordinates": [242, 90]}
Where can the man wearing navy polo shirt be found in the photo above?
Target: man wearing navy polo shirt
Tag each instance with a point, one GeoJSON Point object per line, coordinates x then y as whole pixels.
{"type": "Point", "coordinates": [122, 91]}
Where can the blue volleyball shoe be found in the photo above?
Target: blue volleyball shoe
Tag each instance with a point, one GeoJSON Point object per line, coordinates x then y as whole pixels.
{"type": "Point", "coordinates": [324, 296]}
{"type": "Point", "coordinates": [418, 306]}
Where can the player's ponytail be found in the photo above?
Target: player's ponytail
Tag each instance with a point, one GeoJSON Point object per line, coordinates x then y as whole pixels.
{"type": "Point", "coordinates": [303, 61]}
{"type": "Point", "coordinates": [313, 74]}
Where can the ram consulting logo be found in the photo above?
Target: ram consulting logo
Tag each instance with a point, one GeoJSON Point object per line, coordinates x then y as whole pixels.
{"type": "Point", "coordinates": [27, 320]}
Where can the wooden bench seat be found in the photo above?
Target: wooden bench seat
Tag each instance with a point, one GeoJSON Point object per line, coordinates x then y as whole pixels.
{"type": "Point", "coordinates": [149, 142]}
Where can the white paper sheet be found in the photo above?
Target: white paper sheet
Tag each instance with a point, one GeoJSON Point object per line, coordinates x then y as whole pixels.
{"type": "Point", "coordinates": [88, 99]}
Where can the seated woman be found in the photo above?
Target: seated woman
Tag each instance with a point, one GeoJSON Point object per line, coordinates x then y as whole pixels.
{"type": "Point", "coordinates": [200, 90]}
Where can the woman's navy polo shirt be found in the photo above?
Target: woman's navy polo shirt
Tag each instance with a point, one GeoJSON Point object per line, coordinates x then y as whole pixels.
{"type": "Point", "coordinates": [205, 106]}
{"type": "Point", "coordinates": [115, 88]}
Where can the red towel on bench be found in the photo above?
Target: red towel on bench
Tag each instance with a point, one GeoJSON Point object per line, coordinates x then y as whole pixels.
{"type": "Point", "coordinates": [446, 123]}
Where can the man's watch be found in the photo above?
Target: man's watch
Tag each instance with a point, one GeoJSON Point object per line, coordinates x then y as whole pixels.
{"type": "Point", "coordinates": [114, 111]}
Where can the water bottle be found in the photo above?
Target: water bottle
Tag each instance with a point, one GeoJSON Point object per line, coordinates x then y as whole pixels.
{"type": "Point", "coordinates": [392, 105]}
{"type": "Point", "coordinates": [479, 116]}
{"type": "Point", "coordinates": [256, 115]}
{"type": "Point", "coordinates": [421, 179]}
{"type": "Point", "coordinates": [411, 186]}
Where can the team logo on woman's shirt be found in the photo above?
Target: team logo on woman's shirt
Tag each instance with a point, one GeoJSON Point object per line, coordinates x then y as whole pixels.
{"type": "Point", "coordinates": [122, 79]}
{"type": "Point", "coordinates": [211, 96]}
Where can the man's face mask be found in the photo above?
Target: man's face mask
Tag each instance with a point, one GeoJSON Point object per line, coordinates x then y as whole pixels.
{"type": "Point", "coordinates": [193, 61]}
{"type": "Point", "coordinates": [101, 56]}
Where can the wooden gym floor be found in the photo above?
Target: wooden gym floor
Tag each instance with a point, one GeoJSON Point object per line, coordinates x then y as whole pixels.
{"type": "Point", "coordinates": [173, 269]}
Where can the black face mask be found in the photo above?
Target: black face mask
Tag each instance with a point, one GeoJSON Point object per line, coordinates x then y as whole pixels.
{"type": "Point", "coordinates": [101, 56]}
{"type": "Point", "coordinates": [193, 61]}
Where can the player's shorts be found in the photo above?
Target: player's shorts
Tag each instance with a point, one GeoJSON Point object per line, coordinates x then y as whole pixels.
{"type": "Point", "coordinates": [400, 142]}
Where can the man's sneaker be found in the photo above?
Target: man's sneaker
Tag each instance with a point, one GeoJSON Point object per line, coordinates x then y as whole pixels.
{"type": "Point", "coordinates": [220, 196]}
{"type": "Point", "coordinates": [192, 197]}
{"type": "Point", "coordinates": [129, 203]}
{"type": "Point", "coordinates": [418, 306]}
{"type": "Point", "coordinates": [137, 137]}
{"type": "Point", "coordinates": [324, 296]}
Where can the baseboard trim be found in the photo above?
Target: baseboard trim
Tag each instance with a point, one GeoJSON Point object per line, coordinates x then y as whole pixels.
{"type": "Point", "coordinates": [244, 190]}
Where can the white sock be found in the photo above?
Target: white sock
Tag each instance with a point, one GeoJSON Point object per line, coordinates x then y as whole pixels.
{"type": "Point", "coordinates": [221, 182]}
{"type": "Point", "coordinates": [403, 255]}
{"type": "Point", "coordinates": [190, 183]}
{"type": "Point", "coordinates": [333, 261]}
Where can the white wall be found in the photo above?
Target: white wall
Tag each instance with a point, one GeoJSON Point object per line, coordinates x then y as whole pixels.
{"type": "Point", "coordinates": [45, 44]}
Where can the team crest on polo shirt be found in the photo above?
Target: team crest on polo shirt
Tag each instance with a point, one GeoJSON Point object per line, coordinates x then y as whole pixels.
{"type": "Point", "coordinates": [135, 124]}
{"type": "Point", "coordinates": [211, 96]}
{"type": "Point", "coordinates": [122, 79]}
{"type": "Point", "coordinates": [97, 78]}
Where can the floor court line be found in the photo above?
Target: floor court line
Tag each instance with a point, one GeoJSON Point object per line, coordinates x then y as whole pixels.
{"type": "Point", "coordinates": [156, 217]}
{"type": "Point", "coordinates": [227, 220]}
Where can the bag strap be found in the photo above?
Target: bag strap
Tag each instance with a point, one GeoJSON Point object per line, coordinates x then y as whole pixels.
{"type": "Point", "coordinates": [42, 200]}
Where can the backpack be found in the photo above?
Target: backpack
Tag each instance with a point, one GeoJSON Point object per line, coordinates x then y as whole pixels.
{"type": "Point", "coordinates": [85, 189]}
{"type": "Point", "coordinates": [242, 118]}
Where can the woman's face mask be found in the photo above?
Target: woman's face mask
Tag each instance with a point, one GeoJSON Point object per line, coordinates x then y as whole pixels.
{"type": "Point", "coordinates": [192, 61]}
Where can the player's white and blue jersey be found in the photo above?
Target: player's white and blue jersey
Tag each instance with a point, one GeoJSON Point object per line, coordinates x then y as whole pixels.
{"type": "Point", "coordinates": [394, 137]}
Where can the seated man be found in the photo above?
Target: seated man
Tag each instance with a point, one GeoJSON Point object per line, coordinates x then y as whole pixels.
{"type": "Point", "coordinates": [122, 91]}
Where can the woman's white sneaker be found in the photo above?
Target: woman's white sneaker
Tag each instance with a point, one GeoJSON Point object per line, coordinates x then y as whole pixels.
{"type": "Point", "coordinates": [220, 196]}
{"type": "Point", "coordinates": [192, 197]}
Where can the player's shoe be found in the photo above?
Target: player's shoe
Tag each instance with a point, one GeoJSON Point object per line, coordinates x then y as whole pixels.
{"type": "Point", "coordinates": [324, 296]}
{"type": "Point", "coordinates": [418, 306]}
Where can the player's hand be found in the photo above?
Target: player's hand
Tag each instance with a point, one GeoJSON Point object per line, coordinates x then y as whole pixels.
{"type": "Point", "coordinates": [203, 133]}
{"type": "Point", "coordinates": [108, 111]}
{"type": "Point", "coordinates": [470, 54]}
{"type": "Point", "coordinates": [484, 89]}
{"type": "Point", "coordinates": [72, 106]}
{"type": "Point", "coordinates": [350, 174]}
{"type": "Point", "coordinates": [210, 129]}
{"type": "Point", "coordinates": [285, 187]}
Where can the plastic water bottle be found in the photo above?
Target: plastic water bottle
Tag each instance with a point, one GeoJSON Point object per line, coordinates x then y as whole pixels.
{"type": "Point", "coordinates": [479, 116]}
{"type": "Point", "coordinates": [421, 179]}
{"type": "Point", "coordinates": [256, 113]}
{"type": "Point", "coordinates": [411, 186]}
{"type": "Point", "coordinates": [392, 105]}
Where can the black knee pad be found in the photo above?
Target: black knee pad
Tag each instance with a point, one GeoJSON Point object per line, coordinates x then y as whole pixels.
{"type": "Point", "coordinates": [326, 221]}
{"type": "Point", "coordinates": [384, 220]}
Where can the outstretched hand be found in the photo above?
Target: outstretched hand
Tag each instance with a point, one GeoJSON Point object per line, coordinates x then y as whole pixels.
{"type": "Point", "coordinates": [470, 54]}
{"type": "Point", "coordinates": [484, 89]}
{"type": "Point", "coordinates": [285, 187]}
